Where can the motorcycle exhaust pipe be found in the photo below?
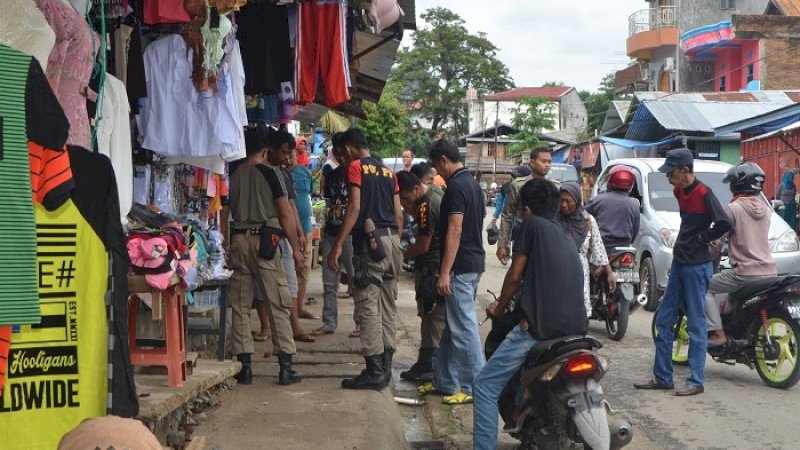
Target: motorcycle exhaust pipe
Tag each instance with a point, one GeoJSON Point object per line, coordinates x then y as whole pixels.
{"type": "Point", "coordinates": [621, 434]}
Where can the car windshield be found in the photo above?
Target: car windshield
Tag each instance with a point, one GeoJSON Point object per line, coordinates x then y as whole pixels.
{"type": "Point", "coordinates": [563, 173]}
{"type": "Point", "coordinates": [662, 199]}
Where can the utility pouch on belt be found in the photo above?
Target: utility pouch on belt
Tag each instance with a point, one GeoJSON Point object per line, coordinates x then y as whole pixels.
{"type": "Point", "coordinates": [360, 274]}
{"type": "Point", "coordinates": [374, 246]}
{"type": "Point", "coordinates": [270, 239]}
{"type": "Point", "coordinates": [427, 293]}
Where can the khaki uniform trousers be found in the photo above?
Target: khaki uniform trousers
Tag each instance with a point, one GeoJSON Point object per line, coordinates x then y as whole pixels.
{"type": "Point", "coordinates": [432, 323]}
{"type": "Point", "coordinates": [377, 308]}
{"type": "Point", "coordinates": [249, 271]}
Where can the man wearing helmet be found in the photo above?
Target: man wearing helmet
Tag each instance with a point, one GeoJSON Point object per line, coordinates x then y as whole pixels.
{"type": "Point", "coordinates": [748, 244]}
{"type": "Point", "coordinates": [616, 213]}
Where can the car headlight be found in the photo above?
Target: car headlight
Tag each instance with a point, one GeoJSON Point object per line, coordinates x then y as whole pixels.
{"type": "Point", "coordinates": [788, 242]}
{"type": "Point", "coordinates": [669, 236]}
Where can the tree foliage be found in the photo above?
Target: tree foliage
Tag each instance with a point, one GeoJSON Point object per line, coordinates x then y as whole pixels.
{"type": "Point", "coordinates": [386, 125]}
{"type": "Point", "coordinates": [597, 104]}
{"type": "Point", "coordinates": [444, 61]}
{"type": "Point", "coordinates": [532, 115]}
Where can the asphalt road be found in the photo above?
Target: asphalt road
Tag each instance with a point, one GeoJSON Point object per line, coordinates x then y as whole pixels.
{"type": "Point", "coordinates": [737, 410]}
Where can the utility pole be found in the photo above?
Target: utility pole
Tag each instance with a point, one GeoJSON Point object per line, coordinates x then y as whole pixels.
{"type": "Point", "coordinates": [678, 49]}
{"type": "Point", "coordinates": [496, 129]}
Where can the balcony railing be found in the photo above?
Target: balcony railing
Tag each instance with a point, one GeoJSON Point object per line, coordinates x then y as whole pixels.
{"type": "Point", "coordinates": [652, 19]}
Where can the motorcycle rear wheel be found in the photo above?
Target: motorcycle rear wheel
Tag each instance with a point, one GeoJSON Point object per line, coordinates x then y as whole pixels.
{"type": "Point", "coordinates": [617, 323]}
{"type": "Point", "coordinates": [785, 333]}
{"type": "Point", "coordinates": [680, 345]}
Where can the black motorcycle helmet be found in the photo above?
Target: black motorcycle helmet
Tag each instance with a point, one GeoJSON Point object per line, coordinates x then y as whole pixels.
{"type": "Point", "coordinates": [746, 178]}
{"type": "Point", "coordinates": [520, 171]}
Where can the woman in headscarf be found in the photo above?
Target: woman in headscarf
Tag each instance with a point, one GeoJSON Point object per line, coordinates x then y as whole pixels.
{"type": "Point", "coordinates": [786, 193]}
{"type": "Point", "coordinates": [301, 149]}
{"type": "Point", "coordinates": [583, 229]}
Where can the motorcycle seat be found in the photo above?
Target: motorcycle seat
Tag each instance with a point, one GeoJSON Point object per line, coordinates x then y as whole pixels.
{"type": "Point", "coordinates": [550, 349]}
{"type": "Point", "coordinates": [764, 285]}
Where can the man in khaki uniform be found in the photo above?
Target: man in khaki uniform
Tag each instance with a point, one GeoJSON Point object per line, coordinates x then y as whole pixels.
{"type": "Point", "coordinates": [374, 216]}
{"type": "Point", "coordinates": [260, 209]}
{"type": "Point", "coordinates": [423, 202]}
{"type": "Point", "coordinates": [540, 161]}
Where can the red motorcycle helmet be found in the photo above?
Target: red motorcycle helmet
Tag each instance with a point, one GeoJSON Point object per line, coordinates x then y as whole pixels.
{"type": "Point", "coordinates": [620, 178]}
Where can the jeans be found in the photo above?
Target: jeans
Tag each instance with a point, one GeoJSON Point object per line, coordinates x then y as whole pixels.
{"type": "Point", "coordinates": [491, 381]}
{"type": "Point", "coordinates": [330, 280]}
{"type": "Point", "coordinates": [687, 284]}
{"type": "Point", "coordinates": [460, 356]}
{"type": "Point", "coordinates": [287, 259]}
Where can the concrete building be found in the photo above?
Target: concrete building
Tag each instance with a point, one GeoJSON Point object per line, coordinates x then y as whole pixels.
{"type": "Point", "coordinates": [564, 103]}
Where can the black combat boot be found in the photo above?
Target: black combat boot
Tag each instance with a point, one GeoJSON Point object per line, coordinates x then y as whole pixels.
{"type": "Point", "coordinates": [421, 370]}
{"type": "Point", "coordinates": [387, 365]}
{"type": "Point", "coordinates": [287, 375]}
{"type": "Point", "coordinates": [369, 378]}
{"type": "Point", "coordinates": [245, 375]}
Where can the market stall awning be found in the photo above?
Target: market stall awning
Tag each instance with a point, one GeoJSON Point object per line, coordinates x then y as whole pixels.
{"type": "Point", "coordinates": [633, 144]}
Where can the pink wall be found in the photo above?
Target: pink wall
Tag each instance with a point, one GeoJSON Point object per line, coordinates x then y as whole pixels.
{"type": "Point", "coordinates": [736, 58]}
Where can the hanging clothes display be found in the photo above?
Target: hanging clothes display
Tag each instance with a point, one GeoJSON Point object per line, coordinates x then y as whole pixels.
{"type": "Point", "coordinates": [165, 11]}
{"type": "Point", "coordinates": [114, 140]}
{"type": "Point", "coordinates": [176, 120]}
{"type": "Point", "coordinates": [322, 52]}
{"type": "Point", "coordinates": [23, 27]}
{"type": "Point", "coordinates": [263, 33]}
{"type": "Point", "coordinates": [69, 66]}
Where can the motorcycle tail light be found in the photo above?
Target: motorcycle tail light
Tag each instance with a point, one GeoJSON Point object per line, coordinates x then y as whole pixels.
{"type": "Point", "coordinates": [581, 365]}
{"type": "Point", "coordinates": [624, 262]}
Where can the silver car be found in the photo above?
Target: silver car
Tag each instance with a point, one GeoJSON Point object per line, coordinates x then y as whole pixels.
{"type": "Point", "coordinates": [661, 221]}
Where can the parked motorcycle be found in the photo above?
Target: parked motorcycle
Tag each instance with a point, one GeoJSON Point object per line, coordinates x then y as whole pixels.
{"type": "Point", "coordinates": [762, 323]}
{"type": "Point", "coordinates": [556, 399]}
{"type": "Point", "coordinates": [614, 308]}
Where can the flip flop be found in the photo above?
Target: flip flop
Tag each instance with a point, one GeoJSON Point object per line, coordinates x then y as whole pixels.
{"type": "Point", "coordinates": [261, 337]}
{"type": "Point", "coordinates": [309, 315]}
{"type": "Point", "coordinates": [321, 331]}
{"type": "Point", "coordinates": [305, 338]}
{"type": "Point", "coordinates": [459, 398]}
{"type": "Point", "coordinates": [355, 333]}
{"type": "Point", "coordinates": [343, 295]}
{"type": "Point", "coordinates": [311, 301]}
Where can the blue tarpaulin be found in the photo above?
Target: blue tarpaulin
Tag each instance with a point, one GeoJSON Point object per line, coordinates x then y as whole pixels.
{"type": "Point", "coordinates": [630, 143]}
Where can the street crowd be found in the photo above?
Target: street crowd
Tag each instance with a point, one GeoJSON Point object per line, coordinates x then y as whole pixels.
{"type": "Point", "coordinates": [553, 243]}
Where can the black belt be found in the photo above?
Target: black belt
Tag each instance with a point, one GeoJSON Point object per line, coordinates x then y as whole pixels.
{"type": "Point", "coordinates": [384, 232]}
{"type": "Point", "coordinates": [251, 231]}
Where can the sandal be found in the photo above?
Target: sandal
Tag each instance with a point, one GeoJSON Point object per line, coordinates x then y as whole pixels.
{"type": "Point", "coordinates": [322, 331]}
{"type": "Point", "coordinates": [311, 301]}
{"type": "Point", "coordinates": [427, 388]}
{"type": "Point", "coordinates": [343, 295]}
{"type": "Point", "coordinates": [308, 315]}
{"type": "Point", "coordinates": [304, 338]}
{"type": "Point", "coordinates": [355, 333]}
{"type": "Point", "coordinates": [459, 398]}
{"type": "Point", "coordinates": [261, 337]}
{"type": "Point", "coordinates": [654, 385]}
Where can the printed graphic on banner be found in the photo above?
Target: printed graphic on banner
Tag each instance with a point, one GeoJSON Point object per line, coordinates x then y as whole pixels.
{"type": "Point", "coordinates": [57, 369]}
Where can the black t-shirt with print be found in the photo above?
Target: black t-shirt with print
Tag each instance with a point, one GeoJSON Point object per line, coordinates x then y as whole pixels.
{"type": "Point", "coordinates": [428, 219]}
{"type": "Point", "coordinates": [336, 198]}
{"type": "Point", "coordinates": [378, 187]}
{"type": "Point", "coordinates": [552, 296]}
{"type": "Point", "coordinates": [464, 196]}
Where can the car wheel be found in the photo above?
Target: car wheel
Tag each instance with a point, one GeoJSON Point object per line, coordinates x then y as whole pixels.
{"type": "Point", "coordinates": [648, 286]}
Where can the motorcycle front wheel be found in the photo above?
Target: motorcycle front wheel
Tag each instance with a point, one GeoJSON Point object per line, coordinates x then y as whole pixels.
{"type": "Point", "coordinates": [680, 345]}
{"type": "Point", "coordinates": [617, 320]}
{"type": "Point", "coordinates": [776, 362]}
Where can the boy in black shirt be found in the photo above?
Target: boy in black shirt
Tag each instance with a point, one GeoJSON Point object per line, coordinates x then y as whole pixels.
{"type": "Point", "coordinates": [373, 200]}
{"type": "Point", "coordinates": [552, 302]}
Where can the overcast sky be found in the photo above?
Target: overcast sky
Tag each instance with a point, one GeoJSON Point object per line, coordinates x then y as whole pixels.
{"type": "Point", "coordinates": [576, 42]}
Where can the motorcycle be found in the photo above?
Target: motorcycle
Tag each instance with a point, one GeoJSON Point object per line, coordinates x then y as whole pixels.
{"type": "Point", "coordinates": [614, 308]}
{"type": "Point", "coordinates": [556, 399]}
{"type": "Point", "coordinates": [762, 323]}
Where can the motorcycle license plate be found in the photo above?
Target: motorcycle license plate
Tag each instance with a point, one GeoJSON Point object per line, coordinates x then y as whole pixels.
{"type": "Point", "coordinates": [794, 308]}
{"type": "Point", "coordinates": [626, 277]}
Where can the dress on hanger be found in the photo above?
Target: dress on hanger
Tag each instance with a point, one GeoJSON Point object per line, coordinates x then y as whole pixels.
{"type": "Point", "coordinates": [69, 66]}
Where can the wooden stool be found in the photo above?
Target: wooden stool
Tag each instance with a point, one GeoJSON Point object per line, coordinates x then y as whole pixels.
{"type": "Point", "coordinates": [173, 356]}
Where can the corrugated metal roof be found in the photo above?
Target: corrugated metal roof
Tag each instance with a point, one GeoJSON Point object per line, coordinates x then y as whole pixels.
{"type": "Point", "coordinates": [705, 117]}
{"type": "Point", "coordinates": [551, 93]}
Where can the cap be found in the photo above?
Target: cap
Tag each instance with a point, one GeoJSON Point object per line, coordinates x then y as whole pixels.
{"type": "Point", "coordinates": [677, 158]}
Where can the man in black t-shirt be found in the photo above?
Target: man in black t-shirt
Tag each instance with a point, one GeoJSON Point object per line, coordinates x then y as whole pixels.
{"type": "Point", "coordinates": [460, 357]}
{"type": "Point", "coordinates": [423, 202]}
{"type": "Point", "coordinates": [373, 201]}
{"type": "Point", "coordinates": [335, 193]}
{"type": "Point", "coordinates": [547, 262]}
